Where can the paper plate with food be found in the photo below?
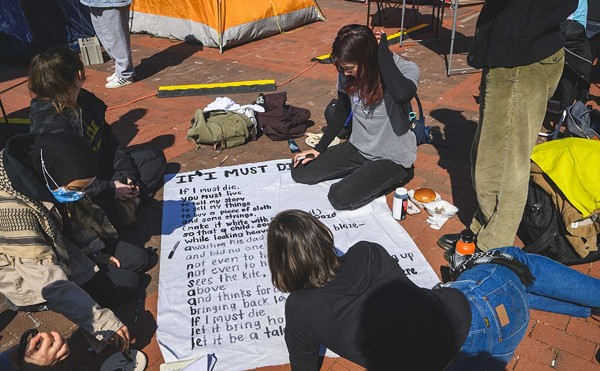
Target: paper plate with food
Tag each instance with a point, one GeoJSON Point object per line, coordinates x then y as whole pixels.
{"type": "Point", "coordinates": [312, 139]}
{"type": "Point", "coordinates": [421, 196]}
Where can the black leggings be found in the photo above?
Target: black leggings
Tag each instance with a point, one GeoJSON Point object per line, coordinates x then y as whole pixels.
{"type": "Point", "coordinates": [112, 285]}
{"type": "Point", "coordinates": [150, 162]}
{"type": "Point", "coordinates": [363, 180]}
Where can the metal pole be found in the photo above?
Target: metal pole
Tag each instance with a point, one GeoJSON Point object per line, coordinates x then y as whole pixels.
{"type": "Point", "coordinates": [220, 25]}
{"type": "Point", "coordinates": [402, 22]}
{"type": "Point", "coordinates": [454, 18]}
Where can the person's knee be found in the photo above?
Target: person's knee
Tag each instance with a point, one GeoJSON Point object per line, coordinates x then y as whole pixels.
{"type": "Point", "coordinates": [302, 174]}
{"type": "Point", "coordinates": [141, 260]}
{"type": "Point", "coordinates": [149, 154]}
{"type": "Point", "coordinates": [159, 156]}
{"type": "Point", "coordinates": [340, 200]}
{"type": "Point", "coordinates": [134, 258]}
{"type": "Point", "coordinates": [151, 163]}
{"type": "Point", "coordinates": [337, 202]}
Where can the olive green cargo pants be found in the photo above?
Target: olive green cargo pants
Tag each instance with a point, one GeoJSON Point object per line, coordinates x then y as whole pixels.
{"type": "Point", "coordinates": [511, 111]}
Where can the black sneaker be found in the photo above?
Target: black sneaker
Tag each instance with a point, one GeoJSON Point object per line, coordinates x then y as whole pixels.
{"type": "Point", "coordinates": [448, 241]}
{"type": "Point", "coordinates": [152, 259]}
{"type": "Point", "coordinates": [448, 254]}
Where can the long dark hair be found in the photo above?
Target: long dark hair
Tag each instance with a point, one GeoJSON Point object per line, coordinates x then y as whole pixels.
{"type": "Point", "coordinates": [53, 74]}
{"type": "Point", "coordinates": [357, 44]}
{"type": "Point", "coordinates": [301, 252]}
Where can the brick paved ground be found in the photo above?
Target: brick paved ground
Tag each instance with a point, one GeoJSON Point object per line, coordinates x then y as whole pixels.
{"type": "Point", "coordinates": [553, 341]}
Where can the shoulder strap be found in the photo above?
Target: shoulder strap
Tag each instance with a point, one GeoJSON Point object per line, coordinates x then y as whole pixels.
{"type": "Point", "coordinates": [419, 106]}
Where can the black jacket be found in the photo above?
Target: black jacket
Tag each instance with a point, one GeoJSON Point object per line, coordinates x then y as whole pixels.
{"type": "Point", "coordinates": [373, 315]}
{"type": "Point", "coordinates": [513, 33]}
{"type": "Point", "coordinates": [18, 164]}
{"type": "Point", "coordinates": [578, 55]}
{"type": "Point", "coordinates": [89, 122]}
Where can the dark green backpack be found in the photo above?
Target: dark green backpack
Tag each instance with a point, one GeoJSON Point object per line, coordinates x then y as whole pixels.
{"type": "Point", "coordinates": [222, 129]}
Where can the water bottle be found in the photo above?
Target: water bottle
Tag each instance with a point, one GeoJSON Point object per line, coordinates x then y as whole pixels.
{"type": "Point", "coordinates": [465, 246]}
{"type": "Point", "coordinates": [400, 204]}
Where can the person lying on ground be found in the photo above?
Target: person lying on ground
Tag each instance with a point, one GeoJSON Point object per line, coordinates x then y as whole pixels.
{"type": "Point", "coordinates": [363, 307]}
{"type": "Point", "coordinates": [43, 350]}
{"type": "Point", "coordinates": [60, 103]}
{"type": "Point", "coordinates": [375, 87]}
{"type": "Point", "coordinates": [57, 248]}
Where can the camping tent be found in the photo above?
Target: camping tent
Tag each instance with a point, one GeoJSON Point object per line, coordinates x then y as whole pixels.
{"type": "Point", "coordinates": [221, 23]}
{"type": "Point", "coordinates": [29, 26]}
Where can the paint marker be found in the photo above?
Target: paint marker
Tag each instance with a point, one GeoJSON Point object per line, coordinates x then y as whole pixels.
{"type": "Point", "coordinates": [300, 158]}
{"type": "Point", "coordinates": [173, 250]}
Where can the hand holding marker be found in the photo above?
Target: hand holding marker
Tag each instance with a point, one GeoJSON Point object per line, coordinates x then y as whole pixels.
{"type": "Point", "coordinates": [173, 250]}
{"type": "Point", "coordinates": [300, 158]}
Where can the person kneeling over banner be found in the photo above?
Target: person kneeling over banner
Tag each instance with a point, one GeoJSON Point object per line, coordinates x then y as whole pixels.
{"type": "Point", "coordinates": [363, 307]}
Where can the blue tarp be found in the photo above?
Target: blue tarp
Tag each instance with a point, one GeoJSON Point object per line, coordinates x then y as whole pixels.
{"type": "Point", "coordinates": [15, 38]}
{"type": "Point", "coordinates": [27, 26]}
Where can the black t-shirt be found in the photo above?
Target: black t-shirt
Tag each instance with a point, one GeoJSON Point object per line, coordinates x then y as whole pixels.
{"type": "Point", "coordinates": [373, 315]}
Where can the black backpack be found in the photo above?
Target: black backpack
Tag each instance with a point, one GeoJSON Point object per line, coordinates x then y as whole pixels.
{"type": "Point", "coordinates": [542, 230]}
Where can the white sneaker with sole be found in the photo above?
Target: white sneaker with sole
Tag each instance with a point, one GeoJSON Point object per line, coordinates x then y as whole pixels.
{"type": "Point", "coordinates": [109, 78]}
{"type": "Point", "coordinates": [117, 82]}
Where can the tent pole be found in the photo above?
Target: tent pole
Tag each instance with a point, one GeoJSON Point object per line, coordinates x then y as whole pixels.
{"type": "Point", "coordinates": [220, 24]}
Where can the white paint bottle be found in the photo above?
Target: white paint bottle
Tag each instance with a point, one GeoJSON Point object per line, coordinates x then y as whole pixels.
{"type": "Point", "coordinates": [400, 204]}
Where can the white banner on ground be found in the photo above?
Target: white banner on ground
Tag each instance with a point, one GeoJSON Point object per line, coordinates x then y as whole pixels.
{"type": "Point", "coordinates": [215, 293]}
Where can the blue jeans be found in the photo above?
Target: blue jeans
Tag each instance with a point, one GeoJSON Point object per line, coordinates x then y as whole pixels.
{"type": "Point", "coordinates": [500, 305]}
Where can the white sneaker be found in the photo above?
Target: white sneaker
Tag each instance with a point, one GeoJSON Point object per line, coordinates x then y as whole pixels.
{"type": "Point", "coordinates": [109, 78]}
{"type": "Point", "coordinates": [117, 82]}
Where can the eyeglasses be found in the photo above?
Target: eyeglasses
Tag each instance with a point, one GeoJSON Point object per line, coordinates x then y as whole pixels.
{"type": "Point", "coordinates": [346, 68]}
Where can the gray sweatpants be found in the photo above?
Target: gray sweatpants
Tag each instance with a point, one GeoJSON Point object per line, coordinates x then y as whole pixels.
{"type": "Point", "coordinates": [112, 28]}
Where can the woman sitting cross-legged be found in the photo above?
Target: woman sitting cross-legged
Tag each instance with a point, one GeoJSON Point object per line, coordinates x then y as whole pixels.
{"type": "Point", "coordinates": [375, 87]}
{"type": "Point", "coordinates": [57, 248]}
{"type": "Point", "coordinates": [363, 307]}
{"type": "Point", "coordinates": [126, 176]}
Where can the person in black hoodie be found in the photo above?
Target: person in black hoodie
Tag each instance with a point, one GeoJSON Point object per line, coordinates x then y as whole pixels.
{"type": "Point", "coordinates": [375, 87]}
{"type": "Point", "coordinates": [58, 251]}
{"type": "Point", "coordinates": [363, 307]}
{"type": "Point", "coordinates": [519, 46]}
{"type": "Point", "coordinates": [126, 176]}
